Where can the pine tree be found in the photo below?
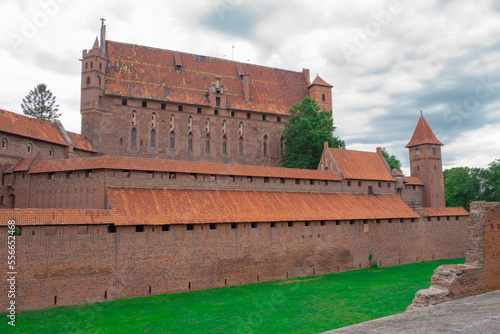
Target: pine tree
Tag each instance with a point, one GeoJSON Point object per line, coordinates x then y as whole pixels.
{"type": "Point", "coordinates": [40, 103]}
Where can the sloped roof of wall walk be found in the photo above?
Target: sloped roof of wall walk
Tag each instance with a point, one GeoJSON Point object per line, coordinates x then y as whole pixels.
{"type": "Point", "coordinates": [360, 165]}
{"type": "Point", "coordinates": [412, 180]}
{"type": "Point", "coordinates": [162, 206]}
{"type": "Point", "coordinates": [162, 165]}
{"type": "Point", "coordinates": [423, 135]}
{"type": "Point", "coordinates": [434, 212]}
{"type": "Point", "coordinates": [55, 217]}
{"type": "Point", "coordinates": [148, 73]}
{"type": "Point", "coordinates": [41, 130]}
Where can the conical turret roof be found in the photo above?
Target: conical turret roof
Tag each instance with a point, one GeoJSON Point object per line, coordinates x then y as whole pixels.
{"type": "Point", "coordinates": [423, 135]}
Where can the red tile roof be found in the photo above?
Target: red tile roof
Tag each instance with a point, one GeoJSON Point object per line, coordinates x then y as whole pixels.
{"type": "Point", "coordinates": [149, 73]}
{"type": "Point", "coordinates": [434, 212]}
{"type": "Point", "coordinates": [30, 127]}
{"type": "Point", "coordinates": [423, 135]}
{"type": "Point", "coordinates": [162, 165]}
{"type": "Point", "coordinates": [22, 165]}
{"type": "Point", "coordinates": [81, 142]}
{"type": "Point", "coordinates": [55, 216]}
{"type": "Point", "coordinates": [163, 206]}
{"type": "Point", "coordinates": [412, 180]}
{"type": "Point", "coordinates": [319, 81]}
{"type": "Point", "coordinates": [360, 165]}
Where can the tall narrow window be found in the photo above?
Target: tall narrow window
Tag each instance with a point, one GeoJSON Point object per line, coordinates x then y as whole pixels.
{"type": "Point", "coordinates": [224, 127]}
{"type": "Point", "coordinates": [133, 138]}
{"type": "Point", "coordinates": [265, 146]}
{"type": "Point", "coordinates": [207, 144]}
{"type": "Point", "coordinates": [153, 139]}
{"type": "Point", "coordinates": [217, 101]}
{"type": "Point", "coordinates": [153, 120]}
{"type": "Point", "coordinates": [172, 141]}
{"type": "Point", "coordinates": [86, 66]}
{"type": "Point", "coordinates": [30, 148]}
{"type": "Point", "coordinates": [91, 65]}
{"type": "Point", "coordinates": [144, 104]}
{"type": "Point", "coordinates": [51, 152]}
{"type": "Point", "coordinates": [4, 143]}
{"type": "Point", "coordinates": [172, 122]}
{"type": "Point", "coordinates": [88, 81]}
{"type": "Point", "coordinates": [134, 117]}
{"type": "Point", "coordinates": [282, 145]}
{"type": "Point", "coordinates": [190, 123]}
{"type": "Point", "coordinates": [240, 143]}
{"type": "Point", "coordinates": [190, 142]}
{"type": "Point", "coordinates": [417, 151]}
{"type": "Point", "coordinates": [240, 129]}
{"type": "Point", "coordinates": [224, 145]}
{"type": "Point", "coordinates": [207, 125]}
{"type": "Point", "coordinates": [323, 97]}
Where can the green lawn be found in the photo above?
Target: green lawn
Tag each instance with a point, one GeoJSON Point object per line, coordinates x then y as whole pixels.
{"type": "Point", "coordinates": [304, 305]}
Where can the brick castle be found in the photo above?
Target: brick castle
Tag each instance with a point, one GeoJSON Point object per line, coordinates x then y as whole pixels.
{"type": "Point", "coordinates": [175, 185]}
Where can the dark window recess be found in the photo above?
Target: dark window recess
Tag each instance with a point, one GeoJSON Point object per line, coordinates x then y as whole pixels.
{"type": "Point", "coordinates": [232, 113]}
{"type": "Point", "coordinates": [248, 115]}
{"type": "Point", "coordinates": [266, 180]}
{"type": "Point", "coordinates": [401, 220]}
{"type": "Point", "coordinates": [282, 180]}
{"type": "Point", "coordinates": [413, 220]}
{"type": "Point", "coordinates": [290, 224]}
{"type": "Point", "coordinates": [234, 225]}
{"type": "Point", "coordinates": [111, 228]}
{"type": "Point", "coordinates": [213, 226]}
{"type": "Point", "coordinates": [323, 223]}
{"type": "Point", "coordinates": [351, 222]}
{"type": "Point", "coordinates": [273, 224]}
{"type": "Point", "coordinates": [278, 119]}
{"type": "Point", "coordinates": [179, 108]}
{"type": "Point", "coordinates": [163, 106]}
{"type": "Point", "coordinates": [190, 227]}
{"type": "Point", "coordinates": [165, 228]}
{"type": "Point", "coordinates": [249, 179]}
{"type": "Point", "coordinates": [263, 117]}
{"type": "Point", "coordinates": [139, 228]}
{"type": "Point", "coordinates": [359, 183]}
{"type": "Point", "coordinates": [254, 225]}
{"type": "Point", "coordinates": [311, 182]}
{"type": "Point", "coordinates": [337, 222]}
{"type": "Point", "coordinates": [124, 102]}
{"type": "Point", "coordinates": [348, 183]}
{"type": "Point", "coordinates": [297, 181]}
{"type": "Point", "coordinates": [216, 112]}
{"type": "Point", "coordinates": [199, 111]}
{"type": "Point", "coordinates": [144, 104]}
{"type": "Point", "coordinates": [171, 176]}
{"type": "Point", "coordinates": [307, 223]}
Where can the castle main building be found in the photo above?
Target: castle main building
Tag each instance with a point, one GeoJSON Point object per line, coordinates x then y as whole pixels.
{"type": "Point", "coordinates": [174, 185]}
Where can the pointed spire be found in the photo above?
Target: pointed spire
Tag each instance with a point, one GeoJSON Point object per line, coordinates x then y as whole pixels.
{"type": "Point", "coordinates": [320, 82]}
{"type": "Point", "coordinates": [96, 43]}
{"type": "Point", "coordinates": [423, 135]}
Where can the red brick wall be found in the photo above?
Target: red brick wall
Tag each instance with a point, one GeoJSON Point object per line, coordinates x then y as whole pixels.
{"type": "Point", "coordinates": [413, 195]}
{"type": "Point", "coordinates": [82, 268]}
{"type": "Point", "coordinates": [110, 132]}
{"type": "Point", "coordinates": [427, 166]}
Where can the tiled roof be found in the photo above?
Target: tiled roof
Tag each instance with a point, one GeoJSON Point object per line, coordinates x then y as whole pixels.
{"type": "Point", "coordinates": [360, 165]}
{"type": "Point", "coordinates": [423, 135]}
{"type": "Point", "coordinates": [148, 73]}
{"type": "Point", "coordinates": [81, 142]}
{"type": "Point", "coordinates": [22, 165]}
{"type": "Point", "coordinates": [319, 81]}
{"type": "Point", "coordinates": [30, 127]}
{"type": "Point", "coordinates": [161, 165]}
{"type": "Point", "coordinates": [396, 172]}
{"type": "Point", "coordinates": [163, 206]}
{"type": "Point", "coordinates": [45, 131]}
{"type": "Point", "coordinates": [55, 216]}
{"type": "Point", "coordinates": [434, 212]}
{"type": "Point", "coordinates": [412, 180]}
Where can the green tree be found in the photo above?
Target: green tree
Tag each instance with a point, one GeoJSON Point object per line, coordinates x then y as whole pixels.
{"type": "Point", "coordinates": [491, 182]}
{"type": "Point", "coordinates": [306, 130]}
{"type": "Point", "coordinates": [462, 185]}
{"type": "Point", "coordinates": [40, 103]}
{"type": "Point", "coordinates": [391, 160]}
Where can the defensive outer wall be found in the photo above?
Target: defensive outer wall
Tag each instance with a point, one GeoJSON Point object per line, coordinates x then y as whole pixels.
{"type": "Point", "coordinates": [84, 259]}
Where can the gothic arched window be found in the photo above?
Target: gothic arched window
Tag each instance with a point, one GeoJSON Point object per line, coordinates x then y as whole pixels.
{"type": "Point", "coordinates": [133, 138]}
{"type": "Point", "coordinates": [265, 146]}
{"type": "Point", "coordinates": [153, 139]}
{"type": "Point", "coordinates": [224, 145]}
{"type": "Point", "coordinates": [240, 144]}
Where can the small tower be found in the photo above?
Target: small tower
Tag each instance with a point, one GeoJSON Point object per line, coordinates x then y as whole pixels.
{"type": "Point", "coordinates": [321, 92]}
{"type": "Point", "coordinates": [425, 163]}
{"type": "Point", "coordinates": [92, 88]}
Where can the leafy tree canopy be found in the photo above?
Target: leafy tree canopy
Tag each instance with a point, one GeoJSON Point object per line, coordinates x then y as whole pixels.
{"type": "Point", "coordinates": [40, 103]}
{"type": "Point", "coordinates": [462, 185]}
{"type": "Point", "coordinates": [391, 160]}
{"type": "Point", "coordinates": [306, 130]}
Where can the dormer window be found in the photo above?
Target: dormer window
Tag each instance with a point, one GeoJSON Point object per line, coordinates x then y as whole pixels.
{"type": "Point", "coordinates": [240, 73]}
{"type": "Point", "coordinates": [177, 63]}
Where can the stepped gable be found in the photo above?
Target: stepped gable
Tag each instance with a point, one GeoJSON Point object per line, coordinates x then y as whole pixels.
{"type": "Point", "coordinates": [412, 180]}
{"type": "Point", "coordinates": [360, 165]}
{"type": "Point", "coordinates": [30, 127]}
{"type": "Point", "coordinates": [164, 206]}
{"type": "Point", "coordinates": [148, 73]}
{"type": "Point", "coordinates": [423, 135]}
{"type": "Point", "coordinates": [158, 165]}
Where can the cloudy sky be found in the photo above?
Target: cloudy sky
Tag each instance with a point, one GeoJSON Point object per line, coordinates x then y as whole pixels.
{"type": "Point", "coordinates": [387, 60]}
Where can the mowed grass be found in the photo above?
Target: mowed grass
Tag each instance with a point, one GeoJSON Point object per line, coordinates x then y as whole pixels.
{"type": "Point", "coordinates": [304, 305]}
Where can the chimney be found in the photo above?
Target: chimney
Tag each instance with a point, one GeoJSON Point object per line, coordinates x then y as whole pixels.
{"type": "Point", "coordinates": [325, 145]}
{"type": "Point", "coordinates": [379, 151]}
{"type": "Point", "coordinates": [343, 147]}
{"type": "Point", "coordinates": [246, 87]}
{"type": "Point", "coordinates": [305, 71]}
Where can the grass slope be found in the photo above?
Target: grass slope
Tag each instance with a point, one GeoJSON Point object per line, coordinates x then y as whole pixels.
{"type": "Point", "coordinates": [304, 305]}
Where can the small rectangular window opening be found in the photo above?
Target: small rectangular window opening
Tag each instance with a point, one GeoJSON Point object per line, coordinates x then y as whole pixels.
{"type": "Point", "coordinates": [139, 228]}
{"type": "Point", "coordinates": [254, 225]}
{"type": "Point", "coordinates": [213, 226]}
{"type": "Point", "coordinates": [190, 227]}
{"type": "Point", "coordinates": [234, 226]}
{"type": "Point", "coordinates": [165, 228]}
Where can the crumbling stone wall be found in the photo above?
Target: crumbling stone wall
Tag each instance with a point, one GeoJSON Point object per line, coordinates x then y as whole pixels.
{"type": "Point", "coordinates": [481, 271]}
